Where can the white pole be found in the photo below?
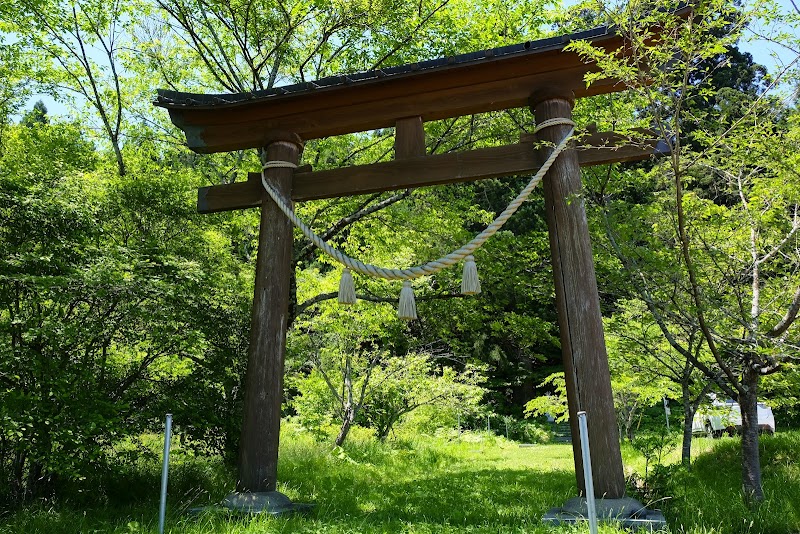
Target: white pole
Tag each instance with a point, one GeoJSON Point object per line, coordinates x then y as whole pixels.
{"type": "Point", "coordinates": [666, 412]}
{"type": "Point", "coordinates": [587, 472]}
{"type": "Point", "coordinates": [162, 511]}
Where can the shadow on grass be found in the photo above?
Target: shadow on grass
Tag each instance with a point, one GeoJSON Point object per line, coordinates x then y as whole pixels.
{"type": "Point", "coordinates": [466, 497]}
{"type": "Point", "coordinates": [401, 487]}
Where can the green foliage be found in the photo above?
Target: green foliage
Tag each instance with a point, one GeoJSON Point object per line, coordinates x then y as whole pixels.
{"type": "Point", "coordinates": [118, 303]}
{"type": "Point", "coordinates": [653, 446]}
{"type": "Point", "coordinates": [416, 380]}
{"type": "Point", "coordinates": [525, 431]}
{"type": "Point", "coordinates": [640, 375]}
{"type": "Point", "coordinates": [317, 410]}
{"type": "Point", "coordinates": [98, 278]}
{"type": "Point", "coordinates": [554, 404]}
{"type": "Point", "coordinates": [708, 497]}
{"type": "Point", "coordinates": [393, 389]}
{"type": "Point", "coordinates": [708, 249]}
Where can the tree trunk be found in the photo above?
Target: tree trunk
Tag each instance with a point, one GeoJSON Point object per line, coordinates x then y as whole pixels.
{"type": "Point", "coordinates": [751, 463]}
{"type": "Point", "coordinates": [18, 481]}
{"type": "Point", "coordinates": [688, 417]}
{"type": "Point", "coordinates": [347, 422]}
{"type": "Point", "coordinates": [383, 432]}
{"type": "Point", "coordinates": [121, 169]}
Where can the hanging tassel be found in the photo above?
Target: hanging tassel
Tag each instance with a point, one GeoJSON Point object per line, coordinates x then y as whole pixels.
{"type": "Point", "coordinates": [347, 289]}
{"type": "Point", "coordinates": [407, 308]}
{"type": "Point", "coordinates": [470, 284]}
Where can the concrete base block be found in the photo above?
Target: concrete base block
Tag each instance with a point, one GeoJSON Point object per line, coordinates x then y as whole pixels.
{"type": "Point", "coordinates": [626, 512]}
{"type": "Point", "coordinates": [267, 502]}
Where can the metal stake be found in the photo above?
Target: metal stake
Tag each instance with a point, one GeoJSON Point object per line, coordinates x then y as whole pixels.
{"type": "Point", "coordinates": [162, 511]}
{"type": "Point", "coordinates": [587, 472]}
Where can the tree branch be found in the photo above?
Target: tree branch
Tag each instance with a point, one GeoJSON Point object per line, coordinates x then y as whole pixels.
{"type": "Point", "coordinates": [787, 320]}
{"type": "Point", "coordinates": [344, 222]}
{"type": "Point", "coordinates": [322, 297]}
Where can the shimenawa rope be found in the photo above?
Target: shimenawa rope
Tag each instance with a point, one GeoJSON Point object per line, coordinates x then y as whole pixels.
{"type": "Point", "coordinates": [470, 283]}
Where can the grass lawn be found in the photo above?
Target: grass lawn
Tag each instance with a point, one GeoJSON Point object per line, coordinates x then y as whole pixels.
{"type": "Point", "coordinates": [476, 483]}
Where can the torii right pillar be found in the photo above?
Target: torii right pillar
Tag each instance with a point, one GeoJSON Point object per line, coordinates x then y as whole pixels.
{"type": "Point", "coordinates": [580, 323]}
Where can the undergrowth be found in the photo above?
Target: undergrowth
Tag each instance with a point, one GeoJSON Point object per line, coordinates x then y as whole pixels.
{"type": "Point", "coordinates": [475, 482]}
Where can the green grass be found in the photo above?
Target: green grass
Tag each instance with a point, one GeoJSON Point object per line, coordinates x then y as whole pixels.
{"type": "Point", "coordinates": [477, 483]}
{"type": "Point", "coordinates": [710, 494]}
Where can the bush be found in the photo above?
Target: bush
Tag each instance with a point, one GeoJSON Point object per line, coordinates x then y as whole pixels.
{"type": "Point", "coordinates": [527, 431]}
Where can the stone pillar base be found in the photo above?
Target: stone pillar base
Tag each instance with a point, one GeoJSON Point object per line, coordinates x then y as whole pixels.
{"type": "Point", "coordinates": [267, 502]}
{"type": "Point", "coordinates": [625, 511]}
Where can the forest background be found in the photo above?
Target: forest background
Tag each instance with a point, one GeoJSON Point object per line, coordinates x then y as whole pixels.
{"type": "Point", "coordinates": [119, 303]}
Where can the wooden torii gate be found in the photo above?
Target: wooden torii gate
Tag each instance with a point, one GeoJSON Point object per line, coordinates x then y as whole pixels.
{"type": "Point", "coordinates": [538, 74]}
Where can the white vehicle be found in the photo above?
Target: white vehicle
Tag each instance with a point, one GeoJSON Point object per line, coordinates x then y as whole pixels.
{"type": "Point", "coordinates": [726, 417]}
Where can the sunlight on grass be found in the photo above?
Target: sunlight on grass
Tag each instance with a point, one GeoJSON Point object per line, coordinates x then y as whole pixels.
{"type": "Point", "coordinates": [476, 483]}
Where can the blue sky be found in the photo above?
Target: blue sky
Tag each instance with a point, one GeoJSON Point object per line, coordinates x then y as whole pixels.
{"type": "Point", "coordinates": [764, 52]}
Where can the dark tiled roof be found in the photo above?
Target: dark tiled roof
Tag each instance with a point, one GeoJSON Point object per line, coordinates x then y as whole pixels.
{"type": "Point", "coordinates": [177, 99]}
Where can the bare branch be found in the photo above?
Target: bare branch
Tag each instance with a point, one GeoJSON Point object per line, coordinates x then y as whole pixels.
{"type": "Point", "coordinates": [353, 218]}
{"type": "Point", "coordinates": [789, 318]}
{"type": "Point", "coordinates": [322, 297]}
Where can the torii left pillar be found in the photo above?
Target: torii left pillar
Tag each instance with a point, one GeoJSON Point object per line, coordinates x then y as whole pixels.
{"type": "Point", "coordinates": [263, 390]}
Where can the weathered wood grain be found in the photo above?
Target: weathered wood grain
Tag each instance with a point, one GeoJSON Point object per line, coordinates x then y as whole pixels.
{"type": "Point", "coordinates": [580, 323]}
{"type": "Point", "coordinates": [263, 390]}
{"type": "Point", "coordinates": [437, 169]}
{"type": "Point", "coordinates": [409, 138]}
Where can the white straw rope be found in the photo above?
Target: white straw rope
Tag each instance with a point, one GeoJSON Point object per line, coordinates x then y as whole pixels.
{"type": "Point", "coordinates": [432, 267]}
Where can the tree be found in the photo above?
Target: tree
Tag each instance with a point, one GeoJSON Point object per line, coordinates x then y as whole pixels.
{"type": "Point", "coordinates": [402, 385]}
{"type": "Point", "coordinates": [722, 240]}
{"type": "Point", "coordinates": [654, 360]}
{"type": "Point", "coordinates": [554, 403]}
{"type": "Point", "coordinates": [16, 73]}
{"type": "Point", "coordinates": [82, 42]}
{"type": "Point", "coordinates": [634, 383]}
{"type": "Point", "coordinates": [99, 273]}
{"type": "Point", "coordinates": [363, 368]}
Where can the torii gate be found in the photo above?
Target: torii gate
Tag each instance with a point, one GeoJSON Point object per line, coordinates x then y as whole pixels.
{"type": "Point", "coordinates": [539, 74]}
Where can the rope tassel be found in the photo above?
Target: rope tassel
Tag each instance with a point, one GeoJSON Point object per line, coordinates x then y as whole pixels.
{"type": "Point", "coordinates": [470, 283]}
{"type": "Point", "coordinates": [407, 309]}
{"type": "Point", "coordinates": [347, 289]}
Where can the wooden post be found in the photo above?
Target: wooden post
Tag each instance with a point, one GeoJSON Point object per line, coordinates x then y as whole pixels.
{"type": "Point", "coordinates": [583, 347]}
{"type": "Point", "coordinates": [409, 138]}
{"type": "Point", "coordinates": [258, 451]}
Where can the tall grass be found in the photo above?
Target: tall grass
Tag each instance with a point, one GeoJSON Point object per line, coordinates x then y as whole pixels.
{"type": "Point", "coordinates": [709, 495]}
{"type": "Point", "coordinates": [475, 482]}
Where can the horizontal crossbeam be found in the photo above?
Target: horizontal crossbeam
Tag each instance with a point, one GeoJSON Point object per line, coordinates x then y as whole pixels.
{"type": "Point", "coordinates": [509, 160]}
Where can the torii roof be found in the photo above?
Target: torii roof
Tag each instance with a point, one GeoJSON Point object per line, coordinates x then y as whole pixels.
{"type": "Point", "coordinates": [488, 80]}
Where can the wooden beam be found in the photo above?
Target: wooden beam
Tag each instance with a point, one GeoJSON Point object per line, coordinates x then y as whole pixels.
{"type": "Point", "coordinates": [438, 96]}
{"type": "Point", "coordinates": [465, 84]}
{"type": "Point", "coordinates": [438, 169]}
{"type": "Point", "coordinates": [409, 138]}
